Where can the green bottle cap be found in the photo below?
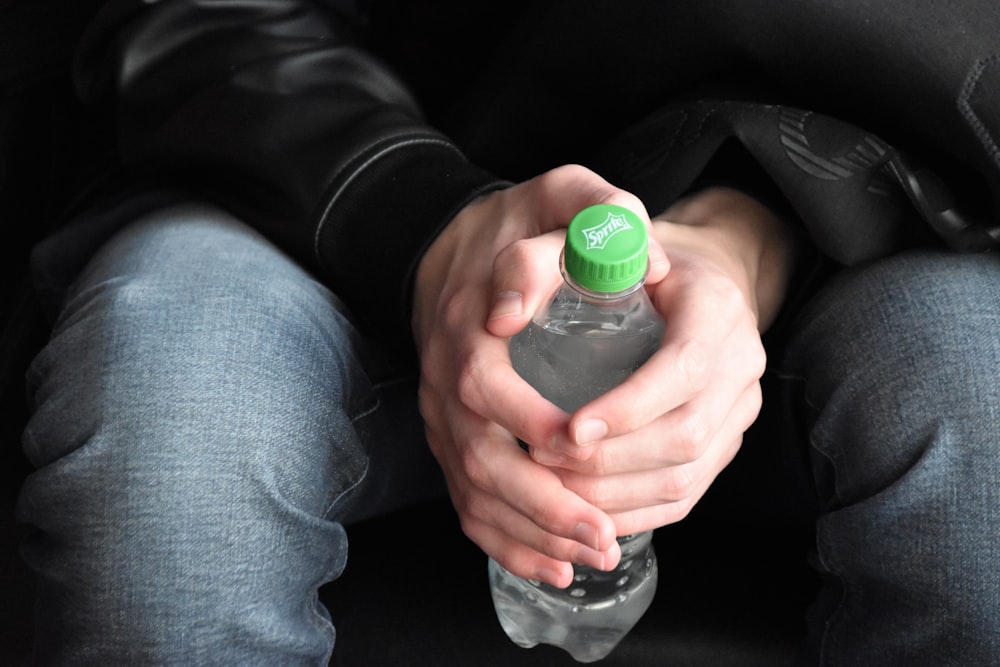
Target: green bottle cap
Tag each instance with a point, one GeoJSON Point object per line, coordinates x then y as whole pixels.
{"type": "Point", "coordinates": [606, 249]}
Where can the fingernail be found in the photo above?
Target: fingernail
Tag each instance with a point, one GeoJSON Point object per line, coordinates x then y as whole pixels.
{"type": "Point", "coordinates": [587, 556]}
{"type": "Point", "coordinates": [580, 452]}
{"type": "Point", "coordinates": [590, 431]}
{"type": "Point", "coordinates": [506, 304]}
{"type": "Point", "coordinates": [587, 535]}
{"type": "Point", "coordinates": [614, 556]}
{"type": "Point", "coordinates": [547, 575]}
{"type": "Point", "coordinates": [608, 560]}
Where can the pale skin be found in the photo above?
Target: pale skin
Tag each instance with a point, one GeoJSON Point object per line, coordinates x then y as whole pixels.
{"type": "Point", "coordinates": [638, 457]}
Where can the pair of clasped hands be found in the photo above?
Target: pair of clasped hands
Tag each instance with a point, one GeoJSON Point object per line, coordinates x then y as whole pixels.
{"type": "Point", "coordinates": [635, 458]}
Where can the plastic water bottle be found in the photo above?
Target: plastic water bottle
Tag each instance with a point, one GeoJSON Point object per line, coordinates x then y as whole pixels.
{"type": "Point", "coordinates": [594, 332]}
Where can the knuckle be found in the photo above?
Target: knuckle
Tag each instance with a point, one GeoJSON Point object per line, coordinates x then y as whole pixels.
{"type": "Point", "coordinates": [731, 298]}
{"type": "Point", "coordinates": [590, 487]}
{"type": "Point", "coordinates": [543, 517]}
{"type": "Point", "coordinates": [682, 508]}
{"type": "Point", "coordinates": [565, 173]}
{"type": "Point", "coordinates": [757, 359]}
{"type": "Point", "coordinates": [694, 364]}
{"type": "Point", "coordinates": [430, 363]}
{"type": "Point", "coordinates": [476, 469]}
{"type": "Point", "coordinates": [461, 500]}
{"type": "Point", "coordinates": [475, 509]}
{"type": "Point", "coordinates": [602, 461]}
{"type": "Point", "coordinates": [466, 381]}
{"type": "Point", "coordinates": [679, 484]}
{"type": "Point", "coordinates": [693, 436]}
{"type": "Point", "coordinates": [733, 449]}
{"type": "Point", "coordinates": [471, 376]}
{"type": "Point", "coordinates": [518, 561]}
{"type": "Point", "coordinates": [754, 402]}
{"type": "Point", "coordinates": [430, 404]}
{"type": "Point", "coordinates": [675, 511]}
{"type": "Point", "coordinates": [466, 519]}
{"type": "Point", "coordinates": [454, 314]}
{"type": "Point", "coordinates": [426, 400]}
{"type": "Point", "coordinates": [517, 253]}
{"type": "Point", "coordinates": [467, 524]}
{"type": "Point", "coordinates": [546, 517]}
{"type": "Point", "coordinates": [471, 527]}
{"type": "Point", "coordinates": [594, 491]}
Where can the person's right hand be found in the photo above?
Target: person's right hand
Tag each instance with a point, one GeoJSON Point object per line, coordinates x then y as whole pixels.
{"type": "Point", "coordinates": [475, 405]}
{"type": "Point", "coordinates": [658, 440]}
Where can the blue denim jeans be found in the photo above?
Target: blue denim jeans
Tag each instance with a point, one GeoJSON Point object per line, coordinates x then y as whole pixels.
{"type": "Point", "coordinates": [207, 419]}
{"type": "Point", "coordinates": [900, 365]}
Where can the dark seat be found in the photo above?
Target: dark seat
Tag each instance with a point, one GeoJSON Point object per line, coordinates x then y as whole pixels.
{"type": "Point", "coordinates": [415, 593]}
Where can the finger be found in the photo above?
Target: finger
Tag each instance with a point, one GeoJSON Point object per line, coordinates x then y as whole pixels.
{"type": "Point", "coordinates": [505, 527]}
{"type": "Point", "coordinates": [674, 489]}
{"type": "Point", "coordinates": [504, 471]}
{"type": "Point", "coordinates": [559, 194]}
{"type": "Point", "coordinates": [513, 533]}
{"type": "Point", "coordinates": [678, 437]}
{"type": "Point", "coordinates": [699, 329]}
{"type": "Point", "coordinates": [490, 388]}
{"type": "Point", "coordinates": [493, 463]}
{"type": "Point", "coordinates": [632, 518]}
{"type": "Point", "coordinates": [525, 274]}
{"type": "Point", "coordinates": [651, 518]}
{"type": "Point", "coordinates": [518, 558]}
{"type": "Point", "coordinates": [479, 484]}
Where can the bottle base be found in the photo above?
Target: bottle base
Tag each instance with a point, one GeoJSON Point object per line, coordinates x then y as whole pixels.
{"type": "Point", "coordinates": [587, 623]}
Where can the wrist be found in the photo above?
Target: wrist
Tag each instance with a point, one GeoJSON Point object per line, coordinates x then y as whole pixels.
{"type": "Point", "coordinates": [745, 239]}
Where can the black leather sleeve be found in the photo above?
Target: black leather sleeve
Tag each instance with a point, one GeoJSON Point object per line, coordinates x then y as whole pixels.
{"type": "Point", "coordinates": [274, 109]}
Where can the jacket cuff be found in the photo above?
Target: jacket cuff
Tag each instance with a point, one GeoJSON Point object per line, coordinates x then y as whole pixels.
{"type": "Point", "coordinates": [379, 220]}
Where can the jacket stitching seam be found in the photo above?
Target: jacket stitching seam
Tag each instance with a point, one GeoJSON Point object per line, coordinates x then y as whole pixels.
{"type": "Point", "coordinates": [967, 110]}
{"type": "Point", "coordinates": [357, 172]}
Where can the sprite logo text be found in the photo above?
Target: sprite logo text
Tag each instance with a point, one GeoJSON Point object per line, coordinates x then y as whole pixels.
{"type": "Point", "coordinates": [599, 235]}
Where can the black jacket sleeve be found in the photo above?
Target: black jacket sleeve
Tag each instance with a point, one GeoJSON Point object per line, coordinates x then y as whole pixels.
{"type": "Point", "coordinates": [273, 109]}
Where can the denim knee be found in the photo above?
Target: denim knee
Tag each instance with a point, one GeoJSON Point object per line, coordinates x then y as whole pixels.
{"type": "Point", "coordinates": [900, 363]}
{"type": "Point", "coordinates": [193, 432]}
{"type": "Point", "coordinates": [907, 345]}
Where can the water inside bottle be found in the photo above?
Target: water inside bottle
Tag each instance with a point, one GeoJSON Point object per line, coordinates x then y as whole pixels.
{"type": "Point", "coordinates": [571, 369]}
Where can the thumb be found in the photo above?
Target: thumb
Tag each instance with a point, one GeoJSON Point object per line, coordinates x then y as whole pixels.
{"type": "Point", "coordinates": [525, 274]}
